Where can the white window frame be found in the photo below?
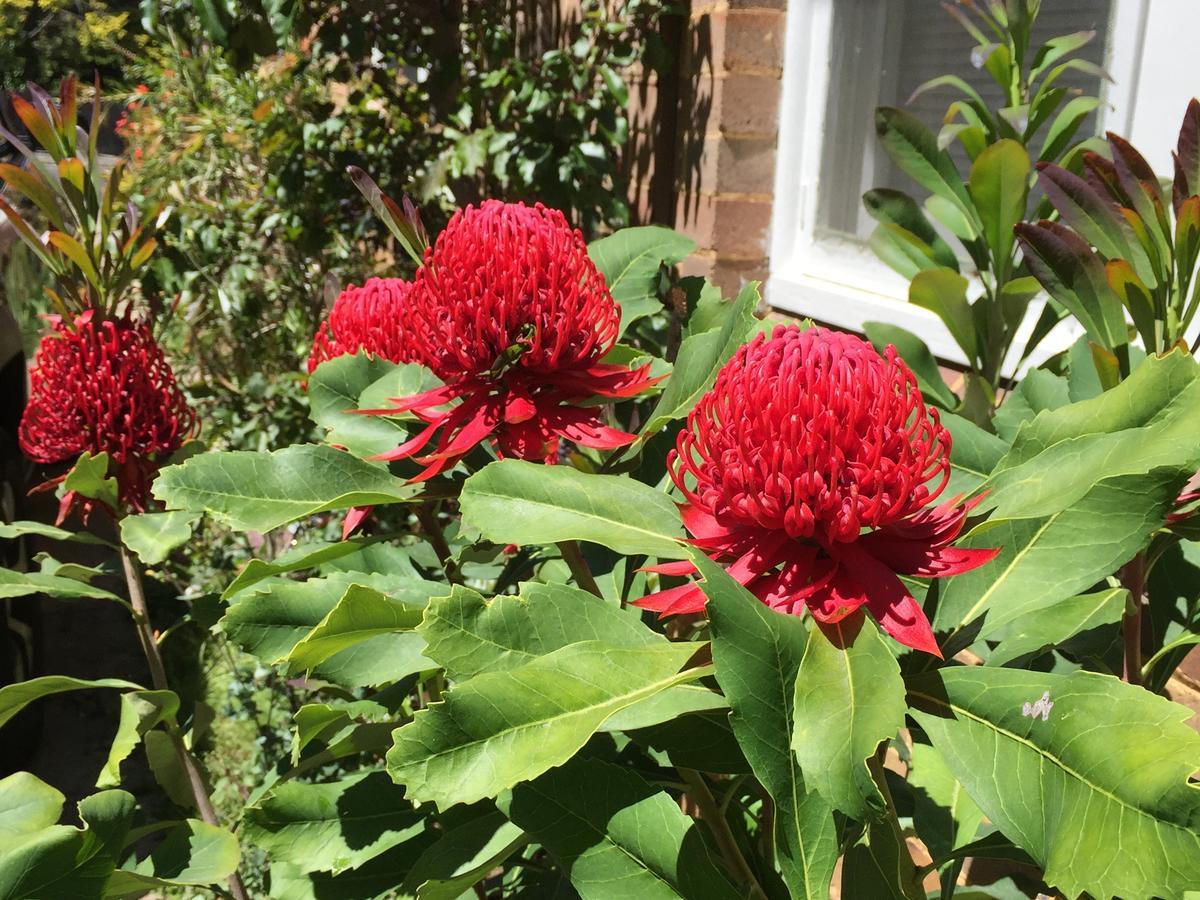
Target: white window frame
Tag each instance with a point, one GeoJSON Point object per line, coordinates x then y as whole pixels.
{"type": "Point", "coordinates": [840, 281]}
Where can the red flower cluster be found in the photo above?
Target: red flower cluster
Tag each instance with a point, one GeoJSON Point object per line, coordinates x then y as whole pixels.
{"type": "Point", "coordinates": [809, 470]}
{"type": "Point", "coordinates": [104, 386]}
{"type": "Point", "coordinates": [511, 314]}
{"type": "Point", "coordinates": [364, 318]}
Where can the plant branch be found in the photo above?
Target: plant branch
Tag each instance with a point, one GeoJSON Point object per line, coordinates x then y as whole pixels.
{"type": "Point", "coordinates": [437, 538]}
{"type": "Point", "coordinates": [1134, 578]}
{"type": "Point", "coordinates": [573, 557]}
{"type": "Point", "coordinates": [158, 677]}
{"type": "Point", "coordinates": [710, 814]}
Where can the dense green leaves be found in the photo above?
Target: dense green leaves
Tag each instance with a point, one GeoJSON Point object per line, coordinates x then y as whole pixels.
{"type": "Point", "coordinates": [251, 491]}
{"type": "Point", "coordinates": [757, 653]}
{"type": "Point", "coordinates": [1101, 776]}
{"type": "Point", "coordinates": [192, 853]}
{"type": "Point", "coordinates": [360, 614]}
{"type": "Point", "coordinates": [334, 826]}
{"type": "Point", "coordinates": [501, 728]}
{"type": "Point", "coordinates": [915, 150]}
{"type": "Point", "coordinates": [1050, 625]}
{"type": "Point", "coordinates": [461, 857]}
{"type": "Point", "coordinates": [518, 502]}
{"type": "Point", "coordinates": [615, 835]}
{"type": "Point", "coordinates": [849, 699]}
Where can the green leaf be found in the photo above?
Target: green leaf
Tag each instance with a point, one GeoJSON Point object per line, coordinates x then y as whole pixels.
{"type": "Point", "coordinates": [757, 653]}
{"type": "Point", "coordinates": [361, 613]}
{"type": "Point", "coordinates": [629, 261]}
{"type": "Point", "coordinates": [461, 857]}
{"type": "Point", "coordinates": [914, 149]}
{"type": "Point", "coordinates": [615, 835]}
{"type": "Point", "coordinates": [849, 699]}
{"type": "Point", "coordinates": [347, 383]}
{"type": "Point", "coordinates": [700, 357]}
{"type": "Point", "coordinates": [999, 184]}
{"type": "Point", "coordinates": [944, 815]}
{"type": "Point", "coordinates": [902, 250]}
{"type": "Point", "coordinates": [1048, 558]}
{"type": "Point", "coordinates": [517, 502]}
{"type": "Point", "coordinates": [27, 804]}
{"type": "Point", "coordinates": [666, 706]}
{"type": "Point", "coordinates": [334, 826]}
{"type": "Point", "coordinates": [89, 478]}
{"type": "Point", "coordinates": [897, 208]}
{"type": "Point", "coordinates": [251, 491]}
{"type": "Point", "coordinates": [973, 454]}
{"type": "Point", "coordinates": [1048, 626]}
{"type": "Point", "coordinates": [23, 584]}
{"type": "Point", "coordinates": [1150, 420]}
{"type": "Point", "coordinates": [192, 853]}
{"type": "Point", "coordinates": [944, 293]}
{"type": "Point", "coordinates": [1102, 776]}
{"type": "Point", "coordinates": [152, 536]}
{"type": "Point", "coordinates": [65, 863]}
{"type": "Point", "coordinates": [916, 356]}
{"type": "Point", "coordinates": [163, 759]}
{"type": "Point", "coordinates": [880, 867]}
{"type": "Point", "coordinates": [140, 711]}
{"type": "Point", "coordinates": [338, 720]}
{"type": "Point", "coordinates": [15, 697]}
{"type": "Point", "coordinates": [303, 556]}
{"type": "Point", "coordinates": [269, 621]}
{"type": "Point", "coordinates": [40, 529]}
{"type": "Point", "coordinates": [498, 729]}
{"type": "Point", "coordinates": [1039, 390]}
{"type": "Point", "coordinates": [469, 635]}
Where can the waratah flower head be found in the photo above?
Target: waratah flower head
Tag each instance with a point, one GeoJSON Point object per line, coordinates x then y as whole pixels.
{"type": "Point", "coordinates": [104, 386]}
{"type": "Point", "coordinates": [369, 318]}
{"type": "Point", "coordinates": [810, 468]}
{"type": "Point", "coordinates": [511, 314]}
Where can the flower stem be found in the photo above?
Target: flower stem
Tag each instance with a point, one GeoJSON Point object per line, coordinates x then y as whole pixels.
{"type": "Point", "coordinates": [711, 815]}
{"type": "Point", "coordinates": [573, 557]}
{"type": "Point", "coordinates": [158, 677]}
{"type": "Point", "coordinates": [437, 538]}
{"type": "Point", "coordinates": [1134, 578]}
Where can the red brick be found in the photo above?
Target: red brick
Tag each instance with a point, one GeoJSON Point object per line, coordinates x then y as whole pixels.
{"type": "Point", "coordinates": [696, 216]}
{"type": "Point", "coordinates": [741, 227]}
{"type": "Point", "coordinates": [744, 165]}
{"type": "Point", "coordinates": [731, 276]}
{"type": "Point", "coordinates": [749, 104]}
{"type": "Point", "coordinates": [753, 39]}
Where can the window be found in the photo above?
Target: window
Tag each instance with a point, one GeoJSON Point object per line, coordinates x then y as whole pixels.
{"type": "Point", "coordinates": [845, 57]}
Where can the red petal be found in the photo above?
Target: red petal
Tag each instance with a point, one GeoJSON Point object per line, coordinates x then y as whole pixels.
{"type": "Point", "coordinates": [353, 519]}
{"type": "Point", "coordinates": [412, 445]}
{"type": "Point", "coordinates": [683, 567]}
{"type": "Point", "coordinates": [887, 598]}
{"type": "Point", "coordinates": [924, 560]}
{"type": "Point", "coordinates": [687, 598]}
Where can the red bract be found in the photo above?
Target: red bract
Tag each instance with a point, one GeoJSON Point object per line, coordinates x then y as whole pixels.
{"type": "Point", "coordinates": [809, 470]}
{"type": "Point", "coordinates": [364, 318]}
{"type": "Point", "coordinates": [104, 386]}
{"type": "Point", "coordinates": [513, 317]}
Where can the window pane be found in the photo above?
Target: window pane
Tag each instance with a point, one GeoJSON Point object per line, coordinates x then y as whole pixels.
{"type": "Point", "coordinates": [882, 52]}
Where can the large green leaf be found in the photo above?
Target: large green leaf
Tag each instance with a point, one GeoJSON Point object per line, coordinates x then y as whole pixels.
{"type": "Point", "coordinates": [360, 614]}
{"type": "Point", "coordinates": [24, 584]}
{"type": "Point", "coordinates": [700, 358]}
{"type": "Point", "coordinates": [615, 835]}
{"type": "Point", "coordinates": [973, 454]}
{"type": "Point", "coordinates": [140, 711]}
{"type": "Point", "coordinates": [944, 292]}
{"type": "Point", "coordinates": [1039, 390]}
{"type": "Point", "coordinates": [897, 208]}
{"type": "Point", "coordinates": [251, 491]}
{"type": "Point", "coordinates": [498, 729]}
{"type": "Point", "coordinates": [629, 261]}
{"type": "Point", "coordinates": [944, 815]}
{"type": "Point", "coordinates": [1148, 421]}
{"type": "Point", "coordinates": [1051, 625]}
{"type": "Point", "coordinates": [192, 853]}
{"type": "Point", "coordinates": [517, 502]}
{"type": "Point", "coordinates": [27, 804]}
{"type": "Point", "coordinates": [15, 697]}
{"type": "Point", "coordinates": [333, 826]}
{"type": "Point", "coordinates": [65, 863]}
{"type": "Point", "coordinates": [849, 699]}
{"type": "Point", "coordinates": [304, 556]}
{"type": "Point", "coordinates": [278, 614]}
{"type": "Point", "coordinates": [152, 536]}
{"type": "Point", "coordinates": [346, 383]}
{"type": "Point", "coordinates": [461, 857]}
{"type": "Point", "coordinates": [880, 867]}
{"type": "Point", "coordinates": [1096, 790]}
{"type": "Point", "coordinates": [1051, 557]}
{"type": "Point", "coordinates": [757, 654]}
{"type": "Point", "coordinates": [469, 635]}
{"type": "Point", "coordinates": [998, 185]}
{"type": "Point", "coordinates": [914, 149]}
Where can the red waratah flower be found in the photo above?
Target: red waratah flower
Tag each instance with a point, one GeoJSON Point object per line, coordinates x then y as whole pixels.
{"type": "Point", "coordinates": [511, 314]}
{"type": "Point", "coordinates": [104, 386]}
{"type": "Point", "coordinates": [809, 471]}
{"type": "Point", "coordinates": [364, 318]}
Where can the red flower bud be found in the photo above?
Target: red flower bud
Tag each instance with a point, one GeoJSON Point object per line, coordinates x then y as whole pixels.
{"type": "Point", "coordinates": [810, 469]}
